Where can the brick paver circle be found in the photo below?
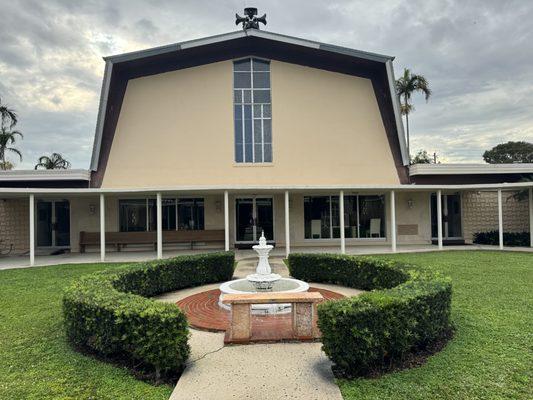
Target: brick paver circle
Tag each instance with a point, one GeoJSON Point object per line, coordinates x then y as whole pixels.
{"type": "Point", "coordinates": [203, 311]}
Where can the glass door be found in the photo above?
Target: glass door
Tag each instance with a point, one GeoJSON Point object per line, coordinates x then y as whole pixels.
{"type": "Point", "coordinates": [61, 225]}
{"type": "Point", "coordinates": [244, 218]}
{"type": "Point", "coordinates": [451, 216]}
{"type": "Point", "coordinates": [53, 223]}
{"type": "Point", "coordinates": [264, 218]}
{"type": "Point", "coordinates": [44, 224]}
{"type": "Point", "coordinates": [252, 216]}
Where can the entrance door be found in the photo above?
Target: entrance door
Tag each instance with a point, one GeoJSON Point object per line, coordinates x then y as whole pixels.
{"type": "Point", "coordinates": [53, 223]}
{"type": "Point", "coordinates": [451, 216]}
{"type": "Point", "coordinates": [252, 216]}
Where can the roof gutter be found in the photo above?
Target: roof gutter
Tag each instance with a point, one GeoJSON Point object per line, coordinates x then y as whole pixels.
{"type": "Point", "coordinates": [470, 169]}
{"type": "Point", "coordinates": [45, 175]}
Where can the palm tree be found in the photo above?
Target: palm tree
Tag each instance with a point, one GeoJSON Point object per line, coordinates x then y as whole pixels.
{"type": "Point", "coordinates": [8, 138]}
{"type": "Point", "coordinates": [7, 114]}
{"type": "Point", "coordinates": [405, 87]}
{"type": "Point", "coordinates": [55, 161]}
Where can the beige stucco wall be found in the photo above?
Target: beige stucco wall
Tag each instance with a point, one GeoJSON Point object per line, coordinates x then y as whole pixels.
{"type": "Point", "coordinates": [414, 218]}
{"type": "Point", "coordinates": [85, 216]}
{"type": "Point", "coordinates": [176, 128]}
{"type": "Point", "coordinates": [480, 213]}
{"type": "Point", "coordinates": [14, 225]}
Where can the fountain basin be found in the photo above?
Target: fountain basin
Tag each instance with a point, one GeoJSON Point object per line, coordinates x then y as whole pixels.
{"type": "Point", "coordinates": [244, 286]}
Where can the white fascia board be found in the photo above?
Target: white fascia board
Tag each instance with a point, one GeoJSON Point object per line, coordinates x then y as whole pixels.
{"type": "Point", "coordinates": [469, 169]}
{"type": "Point", "coordinates": [397, 115]}
{"type": "Point", "coordinates": [154, 51]}
{"type": "Point", "coordinates": [100, 119]}
{"type": "Point", "coordinates": [45, 175]}
{"type": "Point", "coordinates": [251, 33]}
{"type": "Point", "coordinates": [237, 189]}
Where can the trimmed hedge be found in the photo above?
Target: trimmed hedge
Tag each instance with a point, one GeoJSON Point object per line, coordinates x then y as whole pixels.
{"type": "Point", "coordinates": [109, 313]}
{"type": "Point", "coordinates": [356, 272]}
{"type": "Point", "coordinates": [509, 238]}
{"type": "Point", "coordinates": [404, 311]}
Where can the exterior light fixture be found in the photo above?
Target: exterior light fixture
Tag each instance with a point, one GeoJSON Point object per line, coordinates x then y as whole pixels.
{"type": "Point", "coordinates": [410, 203]}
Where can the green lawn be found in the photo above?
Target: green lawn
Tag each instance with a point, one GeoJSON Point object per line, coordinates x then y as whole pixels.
{"type": "Point", "coordinates": [491, 355]}
{"type": "Point", "coordinates": [35, 360]}
{"type": "Point", "coordinates": [489, 358]}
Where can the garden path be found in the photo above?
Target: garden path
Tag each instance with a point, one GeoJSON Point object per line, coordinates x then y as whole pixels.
{"type": "Point", "coordinates": [258, 371]}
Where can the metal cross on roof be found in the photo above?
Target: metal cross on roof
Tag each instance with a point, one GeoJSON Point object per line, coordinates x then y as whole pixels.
{"type": "Point", "coordinates": [250, 20]}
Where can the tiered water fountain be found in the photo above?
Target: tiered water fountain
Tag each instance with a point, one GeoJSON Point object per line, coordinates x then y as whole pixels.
{"type": "Point", "coordinates": [263, 281]}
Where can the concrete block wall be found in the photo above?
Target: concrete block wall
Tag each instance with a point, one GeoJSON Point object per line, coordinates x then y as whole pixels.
{"type": "Point", "coordinates": [480, 213]}
{"type": "Point", "coordinates": [14, 225]}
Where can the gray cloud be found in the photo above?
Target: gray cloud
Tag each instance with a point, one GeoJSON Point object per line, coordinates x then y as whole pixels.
{"type": "Point", "coordinates": [477, 56]}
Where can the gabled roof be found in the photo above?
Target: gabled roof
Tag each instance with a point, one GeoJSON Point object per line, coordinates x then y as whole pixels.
{"type": "Point", "coordinates": [134, 55]}
{"type": "Point", "coordinates": [120, 68]}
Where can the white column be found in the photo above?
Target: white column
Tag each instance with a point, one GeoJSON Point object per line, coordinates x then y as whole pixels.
{"type": "Point", "coordinates": [102, 227]}
{"type": "Point", "coordinates": [531, 217]}
{"type": "Point", "coordinates": [500, 219]}
{"type": "Point", "coordinates": [341, 218]}
{"type": "Point", "coordinates": [393, 221]}
{"type": "Point", "coordinates": [439, 218]}
{"type": "Point", "coordinates": [32, 229]}
{"type": "Point", "coordinates": [287, 230]}
{"type": "Point", "coordinates": [159, 227]}
{"type": "Point", "coordinates": [226, 220]}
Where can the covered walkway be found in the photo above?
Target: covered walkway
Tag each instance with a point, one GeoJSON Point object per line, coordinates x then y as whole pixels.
{"type": "Point", "coordinates": [22, 261]}
{"type": "Point", "coordinates": [403, 215]}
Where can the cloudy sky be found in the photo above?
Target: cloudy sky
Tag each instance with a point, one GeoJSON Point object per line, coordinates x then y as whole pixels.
{"type": "Point", "coordinates": [477, 56]}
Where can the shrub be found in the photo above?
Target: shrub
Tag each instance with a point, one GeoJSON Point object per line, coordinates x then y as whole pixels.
{"type": "Point", "coordinates": [357, 272]}
{"type": "Point", "coordinates": [509, 238]}
{"type": "Point", "coordinates": [405, 310]}
{"type": "Point", "coordinates": [108, 312]}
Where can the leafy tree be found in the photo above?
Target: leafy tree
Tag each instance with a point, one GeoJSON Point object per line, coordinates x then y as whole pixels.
{"type": "Point", "coordinates": [55, 161]}
{"type": "Point", "coordinates": [8, 116]}
{"type": "Point", "coordinates": [405, 87]}
{"type": "Point", "coordinates": [509, 153]}
{"type": "Point", "coordinates": [423, 157]}
{"type": "Point", "coordinates": [8, 137]}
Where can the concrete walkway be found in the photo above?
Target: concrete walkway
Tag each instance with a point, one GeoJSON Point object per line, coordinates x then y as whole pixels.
{"type": "Point", "coordinates": [258, 371]}
{"type": "Point", "coordinates": [42, 259]}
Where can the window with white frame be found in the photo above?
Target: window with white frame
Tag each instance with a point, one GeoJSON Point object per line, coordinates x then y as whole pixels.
{"type": "Point", "coordinates": [364, 217]}
{"type": "Point", "coordinates": [252, 110]}
{"type": "Point", "coordinates": [177, 214]}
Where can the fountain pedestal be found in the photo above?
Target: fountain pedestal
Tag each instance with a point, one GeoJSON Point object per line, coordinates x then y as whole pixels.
{"type": "Point", "coordinates": [263, 280]}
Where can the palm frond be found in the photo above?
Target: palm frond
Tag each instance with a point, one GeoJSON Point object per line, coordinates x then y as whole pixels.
{"type": "Point", "coordinates": [7, 114]}
{"type": "Point", "coordinates": [15, 150]}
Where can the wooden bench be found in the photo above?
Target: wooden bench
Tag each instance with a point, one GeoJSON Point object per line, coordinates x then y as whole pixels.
{"type": "Point", "coordinates": [194, 236]}
{"type": "Point", "coordinates": [303, 314]}
{"type": "Point", "coordinates": [122, 239]}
